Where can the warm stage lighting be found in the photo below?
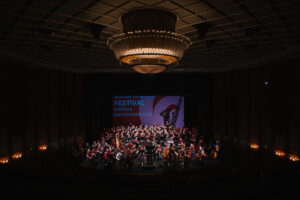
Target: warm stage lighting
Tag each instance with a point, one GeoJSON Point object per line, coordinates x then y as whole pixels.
{"type": "Point", "coordinates": [4, 160]}
{"type": "Point", "coordinates": [17, 155]}
{"type": "Point", "coordinates": [293, 157]}
{"type": "Point", "coordinates": [43, 147]}
{"type": "Point", "coordinates": [279, 153]}
{"type": "Point", "coordinates": [254, 146]}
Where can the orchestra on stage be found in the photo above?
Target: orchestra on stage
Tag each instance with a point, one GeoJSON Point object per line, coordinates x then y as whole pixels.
{"type": "Point", "coordinates": [148, 146]}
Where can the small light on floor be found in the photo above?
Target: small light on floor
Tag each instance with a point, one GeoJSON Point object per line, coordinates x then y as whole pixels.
{"type": "Point", "coordinates": [43, 147]}
{"type": "Point", "coordinates": [4, 160]}
{"type": "Point", "coordinates": [254, 146]}
{"type": "Point", "coordinates": [293, 157]}
{"type": "Point", "coordinates": [17, 155]}
{"type": "Point", "coordinates": [279, 153]}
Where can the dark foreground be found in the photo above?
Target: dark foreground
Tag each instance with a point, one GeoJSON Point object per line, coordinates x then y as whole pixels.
{"type": "Point", "coordinates": [243, 175]}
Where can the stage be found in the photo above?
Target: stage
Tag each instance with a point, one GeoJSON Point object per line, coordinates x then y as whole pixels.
{"type": "Point", "coordinates": [154, 168]}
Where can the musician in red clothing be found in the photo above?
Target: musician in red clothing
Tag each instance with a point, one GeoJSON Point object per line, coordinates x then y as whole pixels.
{"type": "Point", "coordinates": [201, 154]}
{"type": "Point", "coordinates": [89, 155]}
{"type": "Point", "coordinates": [107, 154]}
{"type": "Point", "coordinates": [134, 143]}
{"type": "Point", "coordinates": [113, 143]}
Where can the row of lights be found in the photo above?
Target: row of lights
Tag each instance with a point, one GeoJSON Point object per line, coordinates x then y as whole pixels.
{"type": "Point", "coordinates": [18, 155]}
{"type": "Point", "coordinates": [294, 157]}
{"type": "Point", "coordinates": [278, 153]}
{"type": "Point", "coordinates": [15, 156]}
{"type": "Point", "coordinates": [4, 160]}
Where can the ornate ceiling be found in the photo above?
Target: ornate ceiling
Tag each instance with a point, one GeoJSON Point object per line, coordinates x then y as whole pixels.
{"type": "Point", "coordinates": [71, 34]}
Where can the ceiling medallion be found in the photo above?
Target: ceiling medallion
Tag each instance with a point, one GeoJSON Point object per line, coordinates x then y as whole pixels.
{"type": "Point", "coordinates": [149, 43]}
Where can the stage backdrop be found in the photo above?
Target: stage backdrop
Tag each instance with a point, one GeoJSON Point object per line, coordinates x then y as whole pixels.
{"type": "Point", "coordinates": [147, 110]}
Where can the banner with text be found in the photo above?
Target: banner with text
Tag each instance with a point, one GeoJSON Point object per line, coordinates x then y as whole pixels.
{"type": "Point", "coordinates": [147, 110]}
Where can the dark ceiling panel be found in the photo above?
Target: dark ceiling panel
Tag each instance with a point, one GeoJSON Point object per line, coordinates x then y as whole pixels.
{"type": "Point", "coordinates": [71, 34]}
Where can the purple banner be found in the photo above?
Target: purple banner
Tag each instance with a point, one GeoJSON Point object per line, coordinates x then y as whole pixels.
{"type": "Point", "coordinates": [148, 110]}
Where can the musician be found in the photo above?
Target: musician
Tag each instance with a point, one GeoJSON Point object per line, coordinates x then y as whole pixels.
{"type": "Point", "coordinates": [181, 156]}
{"type": "Point", "coordinates": [172, 154]}
{"type": "Point", "coordinates": [201, 155]}
{"type": "Point", "coordinates": [215, 151]}
{"type": "Point", "coordinates": [129, 157]}
{"type": "Point", "coordinates": [113, 143]}
{"type": "Point", "coordinates": [120, 157]}
{"type": "Point", "coordinates": [192, 152]}
{"type": "Point", "coordinates": [89, 154]}
{"type": "Point", "coordinates": [158, 152]}
{"type": "Point", "coordinates": [193, 139]}
{"type": "Point", "coordinates": [121, 146]}
{"type": "Point", "coordinates": [86, 147]}
{"type": "Point", "coordinates": [99, 151]}
{"type": "Point", "coordinates": [150, 151]}
{"type": "Point", "coordinates": [94, 150]}
{"type": "Point", "coordinates": [189, 153]}
{"type": "Point", "coordinates": [106, 154]}
{"type": "Point", "coordinates": [172, 145]}
{"type": "Point", "coordinates": [166, 156]}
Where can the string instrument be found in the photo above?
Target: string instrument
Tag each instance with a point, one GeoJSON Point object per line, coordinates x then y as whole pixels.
{"type": "Point", "coordinates": [190, 151]}
{"type": "Point", "coordinates": [181, 155]}
{"type": "Point", "coordinates": [166, 153]}
{"type": "Point", "coordinates": [199, 156]}
{"type": "Point", "coordinates": [215, 153]}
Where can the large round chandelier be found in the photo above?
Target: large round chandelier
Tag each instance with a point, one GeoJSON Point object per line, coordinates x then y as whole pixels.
{"type": "Point", "coordinates": [149, 43]}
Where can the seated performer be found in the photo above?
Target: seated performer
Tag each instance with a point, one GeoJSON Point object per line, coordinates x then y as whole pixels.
{"type": "Point", "coordinates": [158, 152]}
{"type": "Point", "coordinates": [120, 157]}
{"type": "Point", "coordinates": [172, 154]}
{"type": "Point", "coordinates": [148, 143]}
{"type": "Point", "coordinates": [166, 156]}
{"type": "Point", "coordinates": [106, 154]}
{"type": "Point", "coordinates": [99, 151]}
{"type": "Point", "coordinates": [129, 157]}
{"type": "Point", "coordinates": [181, 156]}
{"type": "Point", "coordinates": [89, 154]}
{"type": "Point", "coordinates": [201, 154]}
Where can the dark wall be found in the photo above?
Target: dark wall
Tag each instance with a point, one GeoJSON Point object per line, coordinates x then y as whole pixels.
{"type": "Point", "coordinates": [39, 106]}
{"type": "Point", "coordinates": [246, 109]}
{"type": "Point", "coordinates": [99, 90]}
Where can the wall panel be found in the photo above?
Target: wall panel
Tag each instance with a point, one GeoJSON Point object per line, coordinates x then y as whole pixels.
{"type": "Point", "coordinates": [259, 105]}
{"type": "Point", "coordinates": [39, 106]}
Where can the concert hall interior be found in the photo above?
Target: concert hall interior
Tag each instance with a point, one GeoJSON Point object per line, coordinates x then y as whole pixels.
{"type": "Point", "coordinates": [149, 99]}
